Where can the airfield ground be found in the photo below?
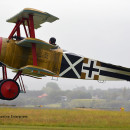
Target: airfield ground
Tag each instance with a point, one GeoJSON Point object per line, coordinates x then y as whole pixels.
{"type": "Point", "coordinates": [63, 119]}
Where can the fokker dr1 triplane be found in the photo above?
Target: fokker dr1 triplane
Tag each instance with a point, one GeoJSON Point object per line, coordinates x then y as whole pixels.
{"type": "Point", "coordinates": [36, 58]}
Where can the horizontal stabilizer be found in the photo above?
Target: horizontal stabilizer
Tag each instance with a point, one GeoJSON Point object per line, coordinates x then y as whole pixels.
{"type": "Point", "coordinates": [39, 17]}
{"type": "Point", "coordinates": [27, 42]}
{"type": "Point", "coordinates": [36, 71]}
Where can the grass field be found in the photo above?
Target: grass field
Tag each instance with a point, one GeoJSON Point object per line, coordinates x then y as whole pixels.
{"type": "Point", "coordinates": [63, 119]}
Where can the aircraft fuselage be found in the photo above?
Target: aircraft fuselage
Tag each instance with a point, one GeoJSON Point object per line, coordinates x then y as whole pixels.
{"type": "Point", "coordinates": [15, 56]}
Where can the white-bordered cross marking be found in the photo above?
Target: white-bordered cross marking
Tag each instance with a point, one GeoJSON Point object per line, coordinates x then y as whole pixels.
{"type": "Point", "coordinates": [72, 66]}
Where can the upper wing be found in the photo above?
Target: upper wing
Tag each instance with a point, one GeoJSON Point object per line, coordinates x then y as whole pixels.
{"type": "Point", "coordinates": [39, 17]}
{"type": "Point", "coordinates": [74, 66]}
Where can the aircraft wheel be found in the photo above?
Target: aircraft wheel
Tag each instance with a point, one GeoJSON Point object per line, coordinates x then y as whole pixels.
{"type": "Point", "coordinates": [9, 89]}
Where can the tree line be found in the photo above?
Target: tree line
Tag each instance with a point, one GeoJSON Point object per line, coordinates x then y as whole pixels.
{"type": "Point", "coordinates": [78, 97]}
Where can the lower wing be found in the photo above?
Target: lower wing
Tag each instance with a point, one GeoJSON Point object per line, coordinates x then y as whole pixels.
{"type": "Point", "coordinates": [36, 71]}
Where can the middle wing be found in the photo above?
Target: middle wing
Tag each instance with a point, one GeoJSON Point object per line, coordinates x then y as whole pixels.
{"type": "Point", "coordinates": [27, 42]}
{"type": "Point", "coordinates": [74, 66]}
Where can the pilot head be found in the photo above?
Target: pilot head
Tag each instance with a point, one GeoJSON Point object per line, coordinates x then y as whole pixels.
{"type": "Point", "coordinates": [52, 41]}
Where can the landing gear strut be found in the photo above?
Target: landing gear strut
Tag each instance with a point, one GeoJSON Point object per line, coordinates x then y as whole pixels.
{"type": "Point", "coordinates": [9, 88]}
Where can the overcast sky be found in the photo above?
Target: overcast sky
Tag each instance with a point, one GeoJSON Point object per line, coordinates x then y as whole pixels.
{"type": "Point", "coordinates": [97, 29]}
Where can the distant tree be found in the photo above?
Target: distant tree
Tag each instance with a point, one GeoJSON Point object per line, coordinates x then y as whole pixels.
{"type": "Point", "coordinates": [51, 87]}
{"type": "Point", "coordinates": [82, 88]}
{"type": "Point", "coordinates": [79, 95]}
{"type": "Point", "coordinates": [124, 93]}
{"type": "Point", "coordinates": [53, 91]}
{"type": "Point", "coordinates": [90, 88]}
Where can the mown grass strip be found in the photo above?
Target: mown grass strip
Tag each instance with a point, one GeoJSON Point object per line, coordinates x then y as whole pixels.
{"type": "Point", "coordinates": [18, 127]}
{"type": "Point", "coordinates": [64, 118]}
